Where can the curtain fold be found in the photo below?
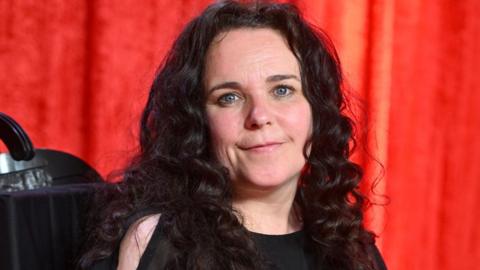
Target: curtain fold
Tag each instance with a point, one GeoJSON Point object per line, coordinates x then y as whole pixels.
{"type": "Point", "coordinates": [76, 74]}
{"type": "Point", "coordinates": [432, 168]}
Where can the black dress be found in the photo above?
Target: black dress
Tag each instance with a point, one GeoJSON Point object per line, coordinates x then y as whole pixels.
{"type": "Point", "coordinates": [283, 252]}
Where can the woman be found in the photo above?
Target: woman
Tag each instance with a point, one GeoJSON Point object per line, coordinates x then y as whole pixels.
{"type": "Point", "coordinates": [244, 155]}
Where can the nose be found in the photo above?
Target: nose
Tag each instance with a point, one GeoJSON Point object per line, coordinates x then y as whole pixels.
{"type": "Point", "coordinates": [259, 114]}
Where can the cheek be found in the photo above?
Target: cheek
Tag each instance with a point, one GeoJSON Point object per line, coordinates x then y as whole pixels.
{"type": "Point", "coordinates": [300, 121]}
{"type": "Point", "coordinates": [223, 131]}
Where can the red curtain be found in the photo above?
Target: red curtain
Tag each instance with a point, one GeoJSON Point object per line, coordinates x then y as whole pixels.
{"type": "Point", "coordinates": [75, 75]}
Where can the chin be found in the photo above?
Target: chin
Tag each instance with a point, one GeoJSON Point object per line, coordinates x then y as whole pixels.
{"type": "Point", "coordinates": [268, 181]}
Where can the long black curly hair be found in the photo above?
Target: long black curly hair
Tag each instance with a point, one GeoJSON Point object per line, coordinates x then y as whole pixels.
{"type": "Point", "coordinates": [177, 174]}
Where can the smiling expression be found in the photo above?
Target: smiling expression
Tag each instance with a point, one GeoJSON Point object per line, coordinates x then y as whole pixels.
{"type": "Point", "coordinates": [258, 116]}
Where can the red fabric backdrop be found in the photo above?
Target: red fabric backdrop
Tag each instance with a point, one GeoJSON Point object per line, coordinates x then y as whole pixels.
{"type": "Point", "coordinates": [75, 75]}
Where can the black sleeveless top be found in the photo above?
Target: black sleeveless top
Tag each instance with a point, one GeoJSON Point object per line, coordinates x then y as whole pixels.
{"type": "Point", "coordinates": [283, 252]}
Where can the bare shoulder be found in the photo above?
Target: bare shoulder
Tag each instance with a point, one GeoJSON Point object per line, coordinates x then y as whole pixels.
{"type": "Point", "coordinates": [135, 242]}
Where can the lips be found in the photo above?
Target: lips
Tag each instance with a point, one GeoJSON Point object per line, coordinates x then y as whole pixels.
{"type": "Point", "coordinates": [262, 147]}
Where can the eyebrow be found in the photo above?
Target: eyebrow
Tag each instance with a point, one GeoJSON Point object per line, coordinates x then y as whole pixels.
{"type": "Point", "coordinates": [270, 79]}
{"type": "Point", "coordinates": [276, 78]}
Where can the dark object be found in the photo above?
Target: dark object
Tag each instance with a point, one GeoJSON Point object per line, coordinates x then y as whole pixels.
{"type": "Point", "coordinates": [43, 228]}
{"type": "Point", "coordinates": [16, 140]}
{"type": "Point", "coordinates": [25, 168]}
{"type": "Point", "coordinates": [44, 200]}
{"type": "Point", "coordinates": [47, 168]}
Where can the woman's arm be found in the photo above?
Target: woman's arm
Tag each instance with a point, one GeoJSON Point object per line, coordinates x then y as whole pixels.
{"type": "Point", "coordinates": [135, 242]}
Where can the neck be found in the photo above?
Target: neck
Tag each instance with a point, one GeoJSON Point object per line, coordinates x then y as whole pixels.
{"type": "Point", "coordinates": [268, 210]}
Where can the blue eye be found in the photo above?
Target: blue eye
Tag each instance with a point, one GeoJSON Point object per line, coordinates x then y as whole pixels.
{"type": "Point", "coordinates": [227, 99]}
{"type": "Point", "coordinates": [282, 91]}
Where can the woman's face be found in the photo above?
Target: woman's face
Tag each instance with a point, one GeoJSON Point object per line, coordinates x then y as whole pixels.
{"type": "Point", "coordinates": [258, 116]}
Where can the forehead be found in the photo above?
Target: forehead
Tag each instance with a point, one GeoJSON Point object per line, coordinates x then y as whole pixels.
{"type": "Point", "coordinates": [247, 51]}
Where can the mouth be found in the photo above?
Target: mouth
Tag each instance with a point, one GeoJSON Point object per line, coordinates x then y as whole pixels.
{"type": "Point", "coordinates": [262, 148]}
